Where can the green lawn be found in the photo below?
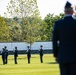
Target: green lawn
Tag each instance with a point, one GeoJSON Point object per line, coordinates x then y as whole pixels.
{"type": "Point", "coordinates": [48, 67]}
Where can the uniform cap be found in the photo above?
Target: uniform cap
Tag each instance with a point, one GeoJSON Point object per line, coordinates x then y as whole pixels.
{"type": "Point", "coordinates": [68, 5]}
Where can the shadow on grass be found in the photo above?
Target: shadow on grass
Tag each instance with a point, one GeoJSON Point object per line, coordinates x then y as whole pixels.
{"type": "Point", "coordinates": [52, 63]}
{"type": "Point", "coordinates": [17, 58]}
{"type": "Point", "coordinates": [20, 58]}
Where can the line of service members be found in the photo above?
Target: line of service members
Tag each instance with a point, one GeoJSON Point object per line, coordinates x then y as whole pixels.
{"type": "Point", "coordinates": [4, 54]}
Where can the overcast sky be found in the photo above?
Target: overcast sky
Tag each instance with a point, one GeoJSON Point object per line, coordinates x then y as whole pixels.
{"type": "Point", "coordinates": [45, 6]}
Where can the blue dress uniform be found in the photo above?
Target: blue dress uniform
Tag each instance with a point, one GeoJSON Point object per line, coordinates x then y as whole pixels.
{"type": "Point", "coordinates": [3, 56]}
{"type": "Point", "coordinates": [6, 54]}
{"type": "Point", "coordinates": [15, 55]}
{"type": "Point", "coordinates": [41, 54]}
{"type": "Point", "coordinates": [64, 43]}
{"type": "Point", "coordinates": [28, 54]}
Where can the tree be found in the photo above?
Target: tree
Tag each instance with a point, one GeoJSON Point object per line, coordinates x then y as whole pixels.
{"type": "Point", "coordinates": [15, 31]}
{"type": "Point", "coordinates": [4, 31]}
{"type": "Point", "coordinates": [33, 30]}
{"type": "Point", "coordinates": [14, 28]}
{"type": "Point", "coordinates": [22, 8]}
{"type": "Point", "coordinates": [27, 11]}
{"type": "Point", "coordinates": [48, 23]}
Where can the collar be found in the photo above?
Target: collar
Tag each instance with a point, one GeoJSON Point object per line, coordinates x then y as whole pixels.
{"type": "Point", "coordinates": [68, 15]}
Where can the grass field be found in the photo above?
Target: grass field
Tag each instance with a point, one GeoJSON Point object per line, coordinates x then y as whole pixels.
{"type": "Point", "coordinates": [48, 67]}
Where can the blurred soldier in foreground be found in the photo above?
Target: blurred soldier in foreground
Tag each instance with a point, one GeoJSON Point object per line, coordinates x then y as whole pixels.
{"type": "Point", "coordinates": [64, 42]}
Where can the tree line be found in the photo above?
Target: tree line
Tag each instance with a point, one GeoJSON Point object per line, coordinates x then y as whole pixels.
{"type": "Point", "coordinates": [28, 29]}
{"type": "Point", "coordinates": [25, 24]}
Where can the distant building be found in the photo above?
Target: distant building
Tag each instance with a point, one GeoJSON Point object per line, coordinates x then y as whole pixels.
{"type": "Point", "coordinates": [23, 45]}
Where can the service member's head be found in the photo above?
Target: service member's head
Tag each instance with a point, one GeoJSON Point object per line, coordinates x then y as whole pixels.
{"type": "Point", "coordinates": [41, 46]}
{"type": "Point", "coordinates": [5, 47]}
{"type": "Point", "coordinates": [27, 46]}
{"type": "Point", "coordinates": [68, 9]}
{"type": "Point", "coordinates": [15, 47]}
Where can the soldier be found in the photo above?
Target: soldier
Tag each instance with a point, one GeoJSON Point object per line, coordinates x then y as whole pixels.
{"type": "Point", "coordinates": [6, 54]}
{"type": "Point", "coordinates": [41, 54]}
{"type": "Point", "coordinates": [15, 55]}
{"type": "Point", "coordinates": [3, 55]}
{"type": "Point", "coordinates": [64, 41]}
{"type": "Point", "coordinates": [28, 54]}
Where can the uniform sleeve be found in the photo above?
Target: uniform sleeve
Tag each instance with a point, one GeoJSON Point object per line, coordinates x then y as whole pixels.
{"type": "Point", "coordinates": [55, 40]}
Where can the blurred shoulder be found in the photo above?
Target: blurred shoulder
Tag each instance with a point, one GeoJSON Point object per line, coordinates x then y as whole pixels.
{"type": "Point", "coordinates": [58, 21]}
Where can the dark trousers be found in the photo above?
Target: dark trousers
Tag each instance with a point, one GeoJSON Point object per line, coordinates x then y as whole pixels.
{"type": "Point", "coordinates": [15, 59]}
{"type": "Point", "coordinates": [28, 59]}
{"type": "Point", "coordinates": [68, 69]}
{"type": "Point", "coordinates": [3, 59]}
{"type": "Point", "coordinates": [41, 58]}
{"type": "Point", "coordinates": [6, 59]}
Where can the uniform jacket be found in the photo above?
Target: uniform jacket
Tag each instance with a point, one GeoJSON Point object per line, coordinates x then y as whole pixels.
{"type": "Point", "coordinates": [28, 53]}
{"type": "Point", "coordinates": [41, 52]}
{"type": "Point", "coordinates": [64, 40]}
{"type": "Point", "coordinates": [16, 53]}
